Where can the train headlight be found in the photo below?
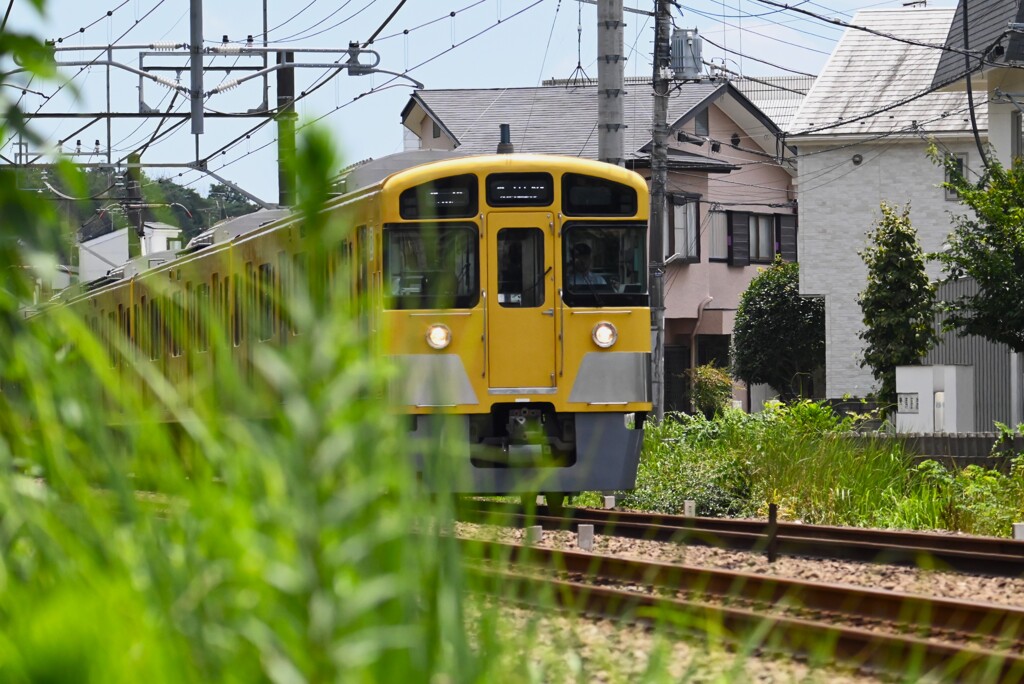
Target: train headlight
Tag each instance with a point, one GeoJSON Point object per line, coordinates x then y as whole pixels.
{"type": "Point", "coordinates": [605, 334]}
{"type": "Point", "coordinates": [439, 336]}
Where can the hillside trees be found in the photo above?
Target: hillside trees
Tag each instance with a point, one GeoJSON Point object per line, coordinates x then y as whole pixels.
{"type": "Point", "coordinates": [898, 303]}
{"type": "Point", "coordinates": [988, 246]}
{"type": "Point", "coordinates": [779, 336]}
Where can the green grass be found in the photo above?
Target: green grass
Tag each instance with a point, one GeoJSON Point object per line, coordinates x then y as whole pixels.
{"type": "Point", "coordinates": [802, 458]}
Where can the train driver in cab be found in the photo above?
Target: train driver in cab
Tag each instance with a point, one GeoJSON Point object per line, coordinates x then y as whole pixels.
{"type": "Point", "coordinates": [582, 262]}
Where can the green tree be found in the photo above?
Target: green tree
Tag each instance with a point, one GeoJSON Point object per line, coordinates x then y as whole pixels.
{"type": "Point", "coordinates": [988, 246]}
{"type": "Point", "coordinates": [779, 336]}
{"type": "Point", "coordinates": [898, 302]}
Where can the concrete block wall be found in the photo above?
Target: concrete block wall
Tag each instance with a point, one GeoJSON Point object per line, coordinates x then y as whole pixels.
{"type": "Point", "coordinates": [839, 204]}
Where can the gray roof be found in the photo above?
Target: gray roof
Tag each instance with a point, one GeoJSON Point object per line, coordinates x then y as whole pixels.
{"type": "Point", "coordinates": [554, 119]}
{"type": "Point", "coordinates": [779, 97]}
{"type": "Point", "coordinates": [867, 73]}
{"type": "Point", "coordinates": [986, 28]}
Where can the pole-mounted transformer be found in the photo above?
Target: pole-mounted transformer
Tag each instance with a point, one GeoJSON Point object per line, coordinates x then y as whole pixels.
{"type": "Point", "coordinates": [687, 62]}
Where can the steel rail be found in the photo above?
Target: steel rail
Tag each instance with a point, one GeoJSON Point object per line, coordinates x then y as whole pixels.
{"type": "Point", "coordinates": [985, 555]}
{"type": "Point", "coordinates": [855, 646]}
{"type": "Point", "coordinates": [966, 619]}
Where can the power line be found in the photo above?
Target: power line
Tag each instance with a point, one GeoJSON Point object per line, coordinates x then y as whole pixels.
{"type": "Point", "coordinates": [83, 29]}
{"type": "Point", "coordinates": [7, 15]}
{"type": "Point", "coordinates": [865, 29]}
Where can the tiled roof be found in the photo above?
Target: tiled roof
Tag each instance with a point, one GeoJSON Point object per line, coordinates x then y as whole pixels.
{"type": "Point", "coordinates": [550, 119]}
{"type": "Point", "coordinates": [779, 97]}
{"type": "Point", "coordinates": [986, 25]}
{"type": "Point", "coordinates": [867, 73]}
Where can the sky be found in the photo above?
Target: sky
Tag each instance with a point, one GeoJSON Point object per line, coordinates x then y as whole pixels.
{"type": "Point", "coordinates": [440, 43]}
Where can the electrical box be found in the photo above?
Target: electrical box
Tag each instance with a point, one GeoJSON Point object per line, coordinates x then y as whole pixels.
{"type": "Point", "coordinates": [687, 62]}
{"type": "Point", "coordinates": [935, 399]}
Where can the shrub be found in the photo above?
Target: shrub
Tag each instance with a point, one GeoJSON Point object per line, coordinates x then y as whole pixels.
{"type": "Point", "coordinates": [710, 389]}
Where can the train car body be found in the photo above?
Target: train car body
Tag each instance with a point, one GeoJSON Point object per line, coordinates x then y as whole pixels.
{"type": "Point", "coordinates": [509, 290]}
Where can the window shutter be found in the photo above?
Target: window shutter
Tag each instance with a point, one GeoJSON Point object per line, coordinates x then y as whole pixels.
{"type": "Point", "coordinates": [739, 238]}
{"type": "Point", "coordinates": [786, 237]}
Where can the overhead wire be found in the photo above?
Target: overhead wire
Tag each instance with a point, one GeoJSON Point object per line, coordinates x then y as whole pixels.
{"type": "Point", "coordinates": [386, 85]}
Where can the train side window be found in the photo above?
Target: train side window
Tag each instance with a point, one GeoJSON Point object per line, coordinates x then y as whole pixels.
{"type": "Point", "coordinates": [283, 295]}
{"type": "Point", "coordinates": [236, 313]}
{"type": "Point", "coordinates": [155, 330]}
{"type": "Point", "coordinates": [201, 316]}
{"type": "Point", "coordinates": [250, 313]}
{"type": "Point", "coordinates": [299, 284]}
{"type": "Point", "coordinates": [177, 324]}
{"type": "Point", "coordinates": [521, 278]}
{"type": "Point", "coordinates": [111, 343]}
{"type": "Point", "coordinates": [265, 300]}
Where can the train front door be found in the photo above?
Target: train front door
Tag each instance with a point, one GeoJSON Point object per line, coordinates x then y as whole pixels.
{"type": "Point", "coordinates": [520, 301]}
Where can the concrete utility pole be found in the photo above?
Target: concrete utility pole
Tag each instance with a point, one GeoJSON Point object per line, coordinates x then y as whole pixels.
{"type": "Point", "coordinates": [659, 176]}
{"type": "Point", "coordinates": [610, 64]}
{"type": "Point", "coordinates": [286, 129]}
{"type": "Point", "coordinates": [196, 67]}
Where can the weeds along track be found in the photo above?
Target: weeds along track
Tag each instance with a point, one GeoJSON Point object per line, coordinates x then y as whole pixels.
{"type": "Point", "coordinates": [985, 555]}
{"type": "Point", "coordinates": [876, 631]}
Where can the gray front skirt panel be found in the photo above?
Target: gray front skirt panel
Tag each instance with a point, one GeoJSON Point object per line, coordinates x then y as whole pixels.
{"type": "Point", "coordinates": [613, 378]}
{"type": "Point", "coordinates": [608, 454]}
{"type": "Point", "coordinates": [431, 380]}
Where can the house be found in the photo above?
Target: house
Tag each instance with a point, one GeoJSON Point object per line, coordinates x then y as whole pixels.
{"type": "Point", "coordinates": [729, 200]}
{"type": "Point", "coordinates": [99, 254]}
{"type": "Point", "coordinates": [997, 81]}
{"type": "Point", "coordinates": [862, 134]}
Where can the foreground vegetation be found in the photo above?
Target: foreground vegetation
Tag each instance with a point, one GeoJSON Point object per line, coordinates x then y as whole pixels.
{"type": "Point", "coordinates": [803, 457]}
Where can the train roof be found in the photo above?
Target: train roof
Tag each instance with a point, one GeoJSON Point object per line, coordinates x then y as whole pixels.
{"type": "Point", "coordinates": [233, 227]}
{"type": "Point", "coordinates": [497, 162]}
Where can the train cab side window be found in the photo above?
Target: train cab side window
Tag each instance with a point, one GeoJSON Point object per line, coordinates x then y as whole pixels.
{"type": "Point", "coordinates": [521, 278]}
{"type": "Point", "coordinates": [431, 265]}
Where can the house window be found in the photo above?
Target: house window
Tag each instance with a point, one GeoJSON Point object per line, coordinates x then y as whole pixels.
{"type": "Point", "coordinates": [684, 228]}
{"type": "Point", "coordinates": [762, 237]}
{"type": "Point", "coordinates": [961, 165]}
{"type": "Point", "coordinates": [436, 130]}
{"type": "Point", "coordinates": [786, 237]}
{"type": "Point", "coordinates": [718, 232]}
{"type": "Point", "coordinates": [701, 123]}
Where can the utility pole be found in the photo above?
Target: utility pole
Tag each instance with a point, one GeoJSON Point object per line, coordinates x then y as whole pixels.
{"type": "Point", "coordinates": [135, 212]}
{"type": "Point", "coordinates": [610, 64]}
{"type": "Point", "coordinates": [659, 176]}
{"type": "Point", "coordinates": [196, 68]}
{"type": "Point", "coordinates": [286, 129]}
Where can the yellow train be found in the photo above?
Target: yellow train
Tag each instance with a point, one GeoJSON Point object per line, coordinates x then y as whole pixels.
{"type": "Point", "coordinates": [510, 289]}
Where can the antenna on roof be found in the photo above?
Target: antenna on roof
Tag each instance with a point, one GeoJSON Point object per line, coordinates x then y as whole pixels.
{"type": "Point", "coordinates": [916, 3]}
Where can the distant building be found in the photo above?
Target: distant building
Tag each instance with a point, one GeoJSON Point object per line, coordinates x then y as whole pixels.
{"type": "Point", "coordinates": [107, 251]}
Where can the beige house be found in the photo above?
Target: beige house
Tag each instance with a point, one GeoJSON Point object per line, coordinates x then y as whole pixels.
{"type": "Point", "coordinates": [730, 201]}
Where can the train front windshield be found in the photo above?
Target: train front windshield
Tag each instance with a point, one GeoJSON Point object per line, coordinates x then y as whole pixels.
{"type": "Point", "coordinates": [431, 266]}
{"type": "Point", "coordinates": [604, 264]}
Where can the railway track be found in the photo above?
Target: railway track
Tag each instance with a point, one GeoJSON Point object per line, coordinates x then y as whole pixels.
{"type": "Point", "coordinates": [985, 555]}
{"type": "Point", "coordinates": [872, 630]}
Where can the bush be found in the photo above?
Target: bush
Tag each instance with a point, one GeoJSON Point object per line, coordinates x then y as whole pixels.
{"type": "Point", "coordinates": [710, 389]}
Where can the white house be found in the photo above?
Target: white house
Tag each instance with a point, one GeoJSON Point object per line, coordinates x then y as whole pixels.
{"type": "Point", "coordinates": [859, 146]}
{"type": "Point", "coordinates": [102, 253]}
